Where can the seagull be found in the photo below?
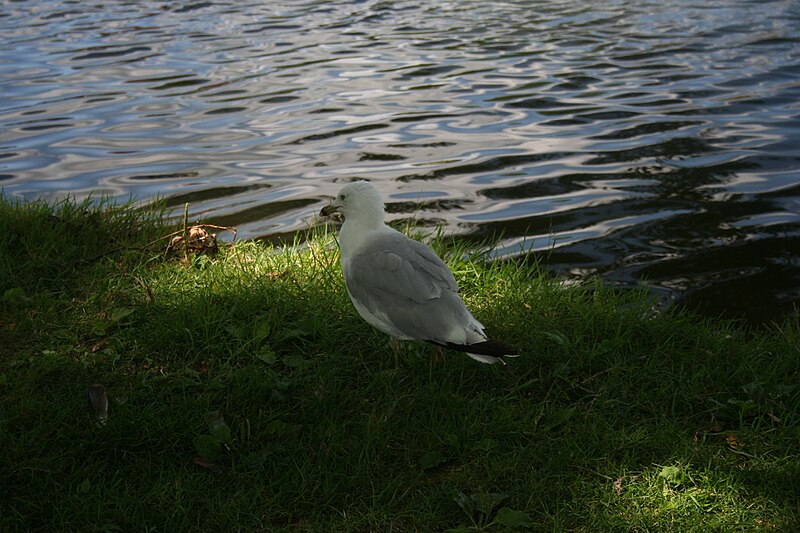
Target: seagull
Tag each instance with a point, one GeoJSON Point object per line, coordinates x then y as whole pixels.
{"type": "Point", "coordinates": [399, 285]}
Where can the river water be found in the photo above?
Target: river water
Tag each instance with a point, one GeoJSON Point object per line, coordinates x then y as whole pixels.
{"type": "Point", "coordinates": [654, 141]}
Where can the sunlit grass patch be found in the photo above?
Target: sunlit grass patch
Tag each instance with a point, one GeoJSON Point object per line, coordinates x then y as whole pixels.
{"type": "Point", "coordinates": [686, 493]}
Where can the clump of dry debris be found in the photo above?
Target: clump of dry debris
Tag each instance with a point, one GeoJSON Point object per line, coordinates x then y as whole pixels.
{"type": "Point", "coordinates": [194, 240]}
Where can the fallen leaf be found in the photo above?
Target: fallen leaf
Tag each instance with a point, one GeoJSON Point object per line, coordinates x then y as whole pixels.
{"type": "Point", "coordinates": [199, 461]}
{"type": "Point", "coordinates": [99, 345]}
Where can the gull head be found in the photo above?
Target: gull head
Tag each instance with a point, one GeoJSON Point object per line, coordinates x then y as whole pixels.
{"type": "Point", "coordinates": [358, 201]}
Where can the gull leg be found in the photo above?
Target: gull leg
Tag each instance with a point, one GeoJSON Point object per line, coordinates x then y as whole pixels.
{"type": "Point", "coordinates": [396, 351]}
{"type": "Point", "coordinates": [438, 356]}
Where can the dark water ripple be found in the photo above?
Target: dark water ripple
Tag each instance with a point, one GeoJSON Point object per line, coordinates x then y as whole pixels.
{"type": "Point", "coordinates": [654, 141]}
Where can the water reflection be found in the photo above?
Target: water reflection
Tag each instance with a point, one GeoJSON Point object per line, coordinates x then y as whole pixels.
{"type": "Point", "coordinates": [652, 141]}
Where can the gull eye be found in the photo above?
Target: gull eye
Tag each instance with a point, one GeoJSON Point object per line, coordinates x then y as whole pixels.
{"type": "Point", "coordinates": [342, 197]}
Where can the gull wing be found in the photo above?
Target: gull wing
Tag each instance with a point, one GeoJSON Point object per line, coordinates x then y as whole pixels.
{"type": "Point", "coordinates": [402, 287]}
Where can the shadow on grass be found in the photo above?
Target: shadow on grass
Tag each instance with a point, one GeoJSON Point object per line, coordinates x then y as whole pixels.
{"type": "Point", "coordinates": [613, 418]}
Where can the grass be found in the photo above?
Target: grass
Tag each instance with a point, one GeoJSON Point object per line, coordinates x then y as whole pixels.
{"type": "Point", "coordinates": [246, 394]}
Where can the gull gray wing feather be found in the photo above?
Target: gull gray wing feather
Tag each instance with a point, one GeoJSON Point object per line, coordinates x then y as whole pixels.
{"type": "Point", "coordinates": [405, 285]}
{"type": "Point", "coordinates": [399, 267]}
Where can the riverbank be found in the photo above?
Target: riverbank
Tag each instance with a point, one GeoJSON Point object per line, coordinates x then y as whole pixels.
{"type": "Point", "coordinates": [245, 393]}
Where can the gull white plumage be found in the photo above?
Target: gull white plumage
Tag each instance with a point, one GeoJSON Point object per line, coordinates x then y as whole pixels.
{"type": "Point", "coordinates": [399, 285]}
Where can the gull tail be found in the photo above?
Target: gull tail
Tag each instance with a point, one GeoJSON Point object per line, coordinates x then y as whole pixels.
{"type": "Point", "coordinates": [488, 351]}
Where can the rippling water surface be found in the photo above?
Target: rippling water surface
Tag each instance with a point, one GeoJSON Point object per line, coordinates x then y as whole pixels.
{"type": "Point", "coordinates": [654, 141]}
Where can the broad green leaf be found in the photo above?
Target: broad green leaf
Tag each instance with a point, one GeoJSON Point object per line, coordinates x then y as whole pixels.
{"type": "Point", "coordinates": [485, 445]}
{"type": "Point", "coordinates": [671, 474]}
{"type": "Point", "coordinates": [463, 501]}
{"type": "Point", "coordinates": [235, 331]}
{"type": "Point", "coordinates": [294, 360]}
{"type": "Point", "coordinates": [100, 327]}
{"type": "Point", "coordinates": [431, 459]}
{"type": "Point", "coordinates": [267, 356]}
{"type": "Point", "coordinates": [207, 446]}
{"type": "Point", "coordinates": [513, 518]}
{"type": "Point", "coordinates": [120, 313]}
{"type": "Point", "coordinates": [485, 503]}
{"type": "Point", "coordinates": [262, 329]}
{"type": "Point", "coordinates": [556, 336]}
{"type": "Point", "coordinates": [276, 427]}
{"type": "Point", "coordinates": [15, 296]}
{"type": "Point", "coordinates": [85, 486]}
{"type": "Point", "coordinates": [218, 428]}
{"type": "Point", "coordinates": [293, 333]}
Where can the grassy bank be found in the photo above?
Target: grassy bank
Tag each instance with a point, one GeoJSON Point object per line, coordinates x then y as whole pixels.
{"type": "Point", "coordinates": [245, 393]}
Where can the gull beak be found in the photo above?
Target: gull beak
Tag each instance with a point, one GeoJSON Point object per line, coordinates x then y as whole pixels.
{"type": "Point", "coordinates": [328, 210]}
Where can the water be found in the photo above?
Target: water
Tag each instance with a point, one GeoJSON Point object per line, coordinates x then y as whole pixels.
{"type": "Point", "coordinates": [653, 140]}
